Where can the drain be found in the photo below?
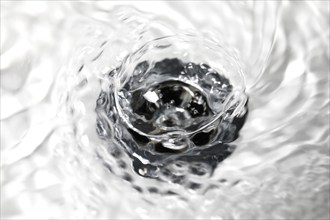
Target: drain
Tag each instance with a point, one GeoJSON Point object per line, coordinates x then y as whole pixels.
{"type": "Point", "coordinates": [175, 100]}
{"type": "Point", "coordinates": [172, 111]}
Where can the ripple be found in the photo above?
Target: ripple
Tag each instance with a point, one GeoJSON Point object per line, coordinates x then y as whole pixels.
{"type": "Point", "coordinates": [58, 161]}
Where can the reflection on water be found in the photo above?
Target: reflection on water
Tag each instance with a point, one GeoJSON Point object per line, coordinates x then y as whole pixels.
{"type": "Point", "coordinates": [55, 59]}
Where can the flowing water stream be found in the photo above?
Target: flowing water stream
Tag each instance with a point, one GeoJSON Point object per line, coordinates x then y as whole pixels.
{"type": "Point", "coordinates": [177, 109]}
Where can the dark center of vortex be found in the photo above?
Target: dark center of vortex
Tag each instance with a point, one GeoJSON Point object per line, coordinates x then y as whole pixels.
{"type": "Point", "coordinates": [169, 106]}
{"type": "Point", "coordinates": [172, 96]}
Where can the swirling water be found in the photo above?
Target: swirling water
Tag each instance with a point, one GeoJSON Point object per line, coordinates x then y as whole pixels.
{"type": "Point", "coordinates": [55, 61]}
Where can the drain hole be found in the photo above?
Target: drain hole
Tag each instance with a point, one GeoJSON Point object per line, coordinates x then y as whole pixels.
{"type": "Point", "coordinates": [173, 99]}
{"type": "Point", "coordinates": [202, 138]}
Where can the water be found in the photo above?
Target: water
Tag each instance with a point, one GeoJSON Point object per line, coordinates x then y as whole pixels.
{"type": "Point", "coordinates": [156, 107]}
{"type": "Point", "coordinates": [170, 111]}
{"type": "Point", "coordinates": [265, 155]}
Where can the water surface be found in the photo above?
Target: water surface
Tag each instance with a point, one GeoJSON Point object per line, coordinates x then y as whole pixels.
{"type": "Point", "coordinates": [55, 59]}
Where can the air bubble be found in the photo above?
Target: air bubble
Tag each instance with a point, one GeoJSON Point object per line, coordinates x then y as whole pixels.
{"type": "Point", "coordinates": [175, 142]}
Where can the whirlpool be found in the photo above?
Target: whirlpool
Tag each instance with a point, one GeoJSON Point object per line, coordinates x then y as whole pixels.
{"type": "Point", "coordinates": [165, 110]}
